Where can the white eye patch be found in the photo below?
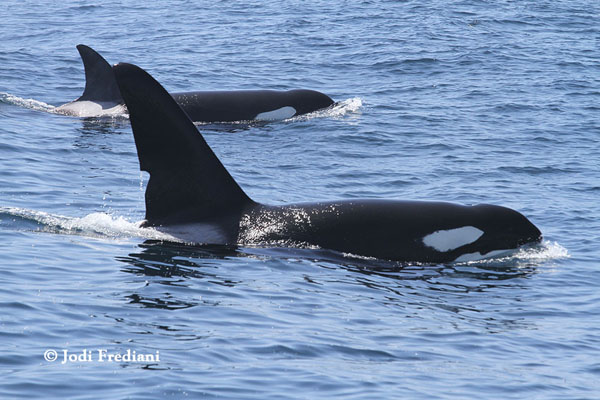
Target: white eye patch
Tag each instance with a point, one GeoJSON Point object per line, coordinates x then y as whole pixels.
{"type": "Point", "coordinates": [451, 239]}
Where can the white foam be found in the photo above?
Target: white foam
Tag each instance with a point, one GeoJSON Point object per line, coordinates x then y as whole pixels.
{"type": "Point", "coordinates": [544, 251]}
{"type": "Point", "coordinates": [337, 110]}
{"type": "Point", "coordinates": [447, 240]}
{"type": "Point", "coordinates": [344, 107]}
{"type": "Point", "coordinates": [26, 103]}
{"type": "Point", "coordinates": [75, 108]}
{"type": "Point", "coordinates": [359, 257]}
{"type": "Point", "coordinates": [280, 113]}
{"type": "Point", "coordinates": [109, 226]}
{"type": "Point", "coordinates": [93, 225]}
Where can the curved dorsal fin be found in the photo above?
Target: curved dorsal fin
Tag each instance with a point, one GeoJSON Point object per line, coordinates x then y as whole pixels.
{"type": "Point", "coordinates": [187, 182]}
{"type": "Point", "coordinates": [100, 83]}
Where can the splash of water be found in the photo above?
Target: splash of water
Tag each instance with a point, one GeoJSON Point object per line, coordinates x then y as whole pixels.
{"type": "Point", "coordinates": [26, 103]}
{"type": "Point", "coordinates": [545, 252]}
{"type": "Point", "coordinates": [76, 108]}
{"type": "Point", "coordinates": [337, 110]}
{"type": "Point", "coordinates": [542, 252]}
{"type": "Point", "coordinates": [99, 225]}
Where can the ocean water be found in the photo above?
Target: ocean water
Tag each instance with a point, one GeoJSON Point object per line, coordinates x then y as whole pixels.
{"type": "Point", "coordinates": [463, 101]}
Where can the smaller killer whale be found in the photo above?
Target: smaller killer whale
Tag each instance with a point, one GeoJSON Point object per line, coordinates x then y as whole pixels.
{"type": "Point", "coordinates": [191, 196]}
{"type": "Point", "coordinates": [102, 96]}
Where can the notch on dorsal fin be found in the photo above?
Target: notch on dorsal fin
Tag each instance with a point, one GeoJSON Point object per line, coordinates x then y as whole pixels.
{"type": "Point", "coordinates": [187, 182]}
{"type": "Point", "coordinates": [100, 83]}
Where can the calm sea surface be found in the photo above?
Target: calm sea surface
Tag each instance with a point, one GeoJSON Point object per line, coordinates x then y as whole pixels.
{"type": "Point", "coordinates": [463, 101]}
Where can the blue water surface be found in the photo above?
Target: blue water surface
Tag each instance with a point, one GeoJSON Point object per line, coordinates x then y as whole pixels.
{"type": "Point", "coordinates": [462, 101]}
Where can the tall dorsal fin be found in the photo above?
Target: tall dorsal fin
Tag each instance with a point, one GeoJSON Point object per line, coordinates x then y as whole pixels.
{"type": "Point", "coordinates": [187, 182]}
{"type": "Point", "coordinates": [100, 83]}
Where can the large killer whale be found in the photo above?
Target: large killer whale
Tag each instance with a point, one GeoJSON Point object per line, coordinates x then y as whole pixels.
{"type": "Point", "coordinates": [191, 196]}
{"type": "Point", "coordinates": [102, 96]}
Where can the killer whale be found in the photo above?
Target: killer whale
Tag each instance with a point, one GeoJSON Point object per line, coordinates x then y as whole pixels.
{"type": "Point", "coordinates": [191, 196]}
{"type": "Point", "coordinates": [102, 96]}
